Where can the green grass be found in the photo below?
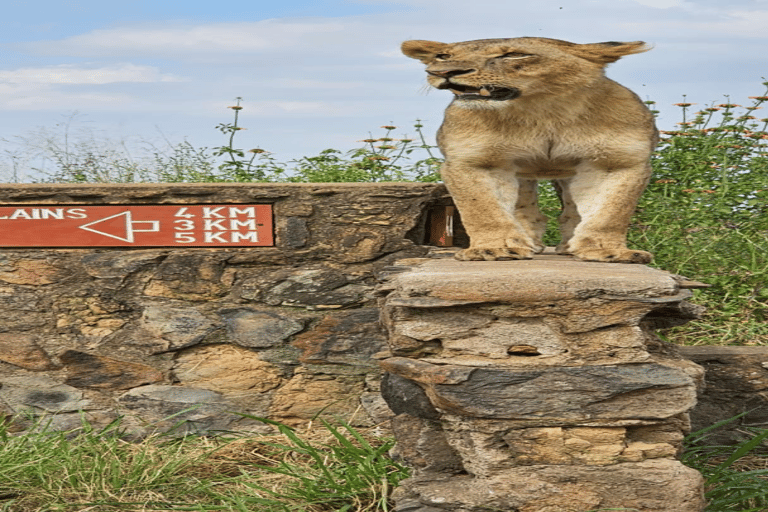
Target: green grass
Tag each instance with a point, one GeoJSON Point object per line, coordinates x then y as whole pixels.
{"type": "Point", "coordinates": [736, 476]}
{"type": "Point", "coordinates": [328, 468]}
{"type": "Point", "coordinates": [332, 468]}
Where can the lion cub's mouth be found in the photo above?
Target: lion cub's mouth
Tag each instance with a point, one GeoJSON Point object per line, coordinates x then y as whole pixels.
{"type": "Point", "coordinates": [486, 92]}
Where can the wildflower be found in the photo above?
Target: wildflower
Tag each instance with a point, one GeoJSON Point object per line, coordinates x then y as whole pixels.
{"type": "Point", "coordinates": [385, 139]}
{"type": "Point", "coordinates": [761, 98]}
{"type": "Point", "coordinates": [257, 151]}
{"type": "Point", "coordinates": [712, 109]}
{"type": "Point", "coordinates": [387, 127]}
{"type": "Point", "coordinates": [385, 158]}
{"type": "Point", "coordinates": [666, 181]}
{"type": "Point", "coordinates": [406, 140]}
{"type": "Point", "coordinates": [369, 141]}
{"type": "Point", "coordinates": [386, 147]}
{"type": "Point", "coordinates": [728, 105]}
{"type": "Point", "coordinates": [683, 104]}
{"type": "Point", "coordinates": [688, 190]}
{"type": "Point", "coordinates": [745, 118]}
{"type": "Point", "coordinates": [236, 107]}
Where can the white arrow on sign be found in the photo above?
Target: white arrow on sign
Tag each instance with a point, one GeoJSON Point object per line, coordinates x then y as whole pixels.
{"type": "Point", "coordinates": [127, 229]}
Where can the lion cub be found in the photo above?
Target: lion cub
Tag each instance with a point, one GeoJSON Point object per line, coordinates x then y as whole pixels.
{"type": "Point", "coordinates": [528, 109]}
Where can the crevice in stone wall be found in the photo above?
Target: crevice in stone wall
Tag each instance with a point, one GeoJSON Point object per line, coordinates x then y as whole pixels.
{"type": "Point", "coordinates": [423, 232]}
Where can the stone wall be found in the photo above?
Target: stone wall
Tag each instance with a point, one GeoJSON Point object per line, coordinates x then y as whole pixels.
{"type": "Point", "coordinates": [283, 332]}
{"type": "Point", "coordinates": [161, 335]}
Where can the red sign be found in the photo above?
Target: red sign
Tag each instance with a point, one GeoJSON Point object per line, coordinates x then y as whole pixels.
{"type": "Point", "coordinates": [209, 225]}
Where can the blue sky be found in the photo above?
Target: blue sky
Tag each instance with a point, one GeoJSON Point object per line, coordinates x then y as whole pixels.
{"type": "Point", "coordinates": [315, 75]}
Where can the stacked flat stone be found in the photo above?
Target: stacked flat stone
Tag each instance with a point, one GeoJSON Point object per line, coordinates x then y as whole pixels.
{"type": "Point", "coordinates": [538, 386]}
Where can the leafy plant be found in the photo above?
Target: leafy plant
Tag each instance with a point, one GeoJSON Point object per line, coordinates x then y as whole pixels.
{"type": "Point", "coordinates": [704, 216]}
{"type": "Point", "coordinates": [380, 159]}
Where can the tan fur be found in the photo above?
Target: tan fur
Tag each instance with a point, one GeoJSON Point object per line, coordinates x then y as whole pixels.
{"type": "Point", "coordinates": [531, 108]}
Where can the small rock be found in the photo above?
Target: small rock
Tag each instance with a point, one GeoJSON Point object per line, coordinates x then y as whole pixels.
{"type": "Point", "coordinates": [314, 288]}
{"type": "Point", "coordinates": [178, 327]}
{"type": "Point", "coordinates": [226, 369]}
{"type": "Point", "coordinates": [348, 337]}
{"type": "Point", "coordinates": [186, 410]}
{"type": "Point", "coordinates": [22, 350]}
{"type": "Point", "coordinates": [99, 372]}
{"type": "Point", "coordinates": [259, 329]}
{"type": "Point", "coordinates": [41, 392]}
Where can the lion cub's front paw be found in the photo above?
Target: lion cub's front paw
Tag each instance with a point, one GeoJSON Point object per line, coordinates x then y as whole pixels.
{"type": "Point", "coordinates": [614, 255]}
{"type": "Point", "coordinates": [494, 253]}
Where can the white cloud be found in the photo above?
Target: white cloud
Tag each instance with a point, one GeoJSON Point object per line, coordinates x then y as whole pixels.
{"type": "Point", "coordinates": [182, 41]}
{"type": "Point", "coordinates": [67, 74]}
{"type": "Point", "coordinates": [45, 99]}
{"type": "Point", "coordinates": [305, 83]}
{"type": "Point", "coordinates": [661, 4]}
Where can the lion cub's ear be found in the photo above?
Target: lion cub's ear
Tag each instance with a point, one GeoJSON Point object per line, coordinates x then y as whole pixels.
{"type": "Point", "coordinates": [422, 50]}
{"type": "Point", "coordinates": [611, 51]}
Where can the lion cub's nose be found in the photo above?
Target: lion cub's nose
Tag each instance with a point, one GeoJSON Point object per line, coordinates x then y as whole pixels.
{"type": "Point", "coordinates": [448, 73]}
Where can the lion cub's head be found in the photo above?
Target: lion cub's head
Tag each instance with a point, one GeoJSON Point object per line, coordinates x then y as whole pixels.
{"type": "Point", "coordinates": [497, 70]}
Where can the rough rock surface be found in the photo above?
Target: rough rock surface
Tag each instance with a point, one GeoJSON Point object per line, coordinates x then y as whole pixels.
{"type": "Point", "coordinates": [659, 485]}
{"type": "Point", "coordinates": [537, 386]}
{"type": "Point", "coordinates": [736, 385]}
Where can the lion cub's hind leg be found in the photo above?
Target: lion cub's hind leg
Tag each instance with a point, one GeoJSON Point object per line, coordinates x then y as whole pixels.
{"type": "Point", "coordinates": [527, 213]}
{"type": "Point", "coordinates": [569, 216]}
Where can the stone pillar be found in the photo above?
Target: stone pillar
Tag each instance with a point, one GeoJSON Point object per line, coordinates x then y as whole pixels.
{"type": "Point", "coordinates": [538, 386]}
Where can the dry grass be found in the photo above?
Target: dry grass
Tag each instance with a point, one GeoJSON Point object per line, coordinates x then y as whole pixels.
{"type": "Point", "coordinates": [326, 468]}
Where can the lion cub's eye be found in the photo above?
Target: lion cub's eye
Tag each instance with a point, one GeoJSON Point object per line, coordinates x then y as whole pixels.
{"type": "Point", "coordinates": [443, 56]}
{"type": "Point", "coordinates": [516, 55]}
